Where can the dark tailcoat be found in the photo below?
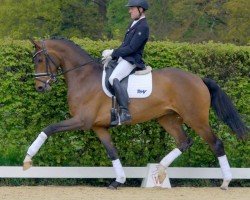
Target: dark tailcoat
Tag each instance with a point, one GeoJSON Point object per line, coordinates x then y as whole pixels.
{"type": "Point", "coordinates": [133, 44]}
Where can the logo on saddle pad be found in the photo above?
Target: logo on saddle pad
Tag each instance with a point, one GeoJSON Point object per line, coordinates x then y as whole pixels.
{"type": "Point", "coordinates": [139, 91]}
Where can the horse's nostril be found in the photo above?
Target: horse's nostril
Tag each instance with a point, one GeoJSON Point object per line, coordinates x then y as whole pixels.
{"type": "Point", "coordinates": [40, 89]}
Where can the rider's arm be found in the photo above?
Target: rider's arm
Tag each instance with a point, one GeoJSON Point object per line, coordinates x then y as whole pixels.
{"type": "Point", "coordinates": [139, 38]}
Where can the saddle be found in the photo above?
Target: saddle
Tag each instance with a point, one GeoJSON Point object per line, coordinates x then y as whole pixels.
{"type": "Point", "coordinates": [138, 84]}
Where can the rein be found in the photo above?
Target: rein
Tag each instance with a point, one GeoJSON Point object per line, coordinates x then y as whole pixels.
{"type": "Point", "coordinates": [48, 67]}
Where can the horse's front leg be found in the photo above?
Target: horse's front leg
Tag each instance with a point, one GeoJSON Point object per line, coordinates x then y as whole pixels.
{"type": "Point", "coordinates": [106, 140]}
{"type": "Point", "coordinates": [66, 125]}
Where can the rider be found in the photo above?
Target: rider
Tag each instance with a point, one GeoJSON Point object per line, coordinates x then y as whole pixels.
{"type": "Point", "coordinates": [129, 54]}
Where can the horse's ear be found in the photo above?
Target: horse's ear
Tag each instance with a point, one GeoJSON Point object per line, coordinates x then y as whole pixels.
{"type": "Point", "coordinates": [36, 45]}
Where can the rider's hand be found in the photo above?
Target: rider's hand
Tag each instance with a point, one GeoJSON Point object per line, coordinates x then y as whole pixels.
{"type": "Point", "coordinates": [106, 56]}
{"type": "Point", "coordinates": [106, 61]}
{"type": "Point", "coordinates": [107, 53]}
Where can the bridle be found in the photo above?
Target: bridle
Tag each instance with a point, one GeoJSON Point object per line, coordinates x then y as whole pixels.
{"type": "Point", "coordinates": [49, 73]}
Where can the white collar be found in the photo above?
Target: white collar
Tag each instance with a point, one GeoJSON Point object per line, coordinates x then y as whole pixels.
{"type": "Point", "coordinates": [135, 21]}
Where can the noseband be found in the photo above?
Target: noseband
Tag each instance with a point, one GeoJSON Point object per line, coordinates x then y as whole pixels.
{"type": "Point", "coordinates": [49, 72]}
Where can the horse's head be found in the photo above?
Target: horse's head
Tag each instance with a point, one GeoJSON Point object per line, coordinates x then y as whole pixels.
{"type": "Point", "coordinates": [46, 65]}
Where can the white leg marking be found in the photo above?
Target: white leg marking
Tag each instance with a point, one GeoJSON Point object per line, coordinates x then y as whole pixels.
{"type": "Point", "coordinates": [226, 172]}
{"type": "Point", "coordinates": [120, 174]}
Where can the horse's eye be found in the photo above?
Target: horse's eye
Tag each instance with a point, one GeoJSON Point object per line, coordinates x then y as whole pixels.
{"type": "Point", "coordinates": [37, 60]}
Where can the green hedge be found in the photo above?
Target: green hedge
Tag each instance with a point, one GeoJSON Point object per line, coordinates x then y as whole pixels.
{"type": "Point", "coordinates": [24, 112]}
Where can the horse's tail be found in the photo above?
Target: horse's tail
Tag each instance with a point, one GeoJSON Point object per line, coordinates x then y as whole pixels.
{"type": "Point", "coordinates": [225, 109]}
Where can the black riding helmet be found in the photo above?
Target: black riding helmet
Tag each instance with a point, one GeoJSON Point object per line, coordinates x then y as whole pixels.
{"type": "Point", "coordinates": [138, 3]}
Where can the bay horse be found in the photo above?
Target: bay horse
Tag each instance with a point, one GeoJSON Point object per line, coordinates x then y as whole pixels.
{"type": "Point", "coordinates": [178, 97]}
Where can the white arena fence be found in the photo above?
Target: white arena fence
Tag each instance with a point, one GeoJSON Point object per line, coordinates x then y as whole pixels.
{"type": "Point", "coordinates": [146, 173]}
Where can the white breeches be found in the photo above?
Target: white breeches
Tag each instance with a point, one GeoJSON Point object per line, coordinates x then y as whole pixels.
{"type": "Point", "coordinates": [121, 71]}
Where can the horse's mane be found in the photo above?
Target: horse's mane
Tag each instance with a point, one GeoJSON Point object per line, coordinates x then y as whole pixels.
{"type": "Point", "coordinates": [77, 47]}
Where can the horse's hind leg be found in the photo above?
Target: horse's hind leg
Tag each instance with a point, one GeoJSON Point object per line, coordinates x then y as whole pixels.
{"type": "Point", "coordinates": [204, 130]}
{"type": "Point", "coordinates": [199, 122]}
{"type": "Point", "coordinates": [172, 123]}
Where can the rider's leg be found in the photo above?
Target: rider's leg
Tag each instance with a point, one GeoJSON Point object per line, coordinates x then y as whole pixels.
{"type": "Point", "coordinates": [122, 70]}
{"type": "Point", "coordinates": [122, 100]}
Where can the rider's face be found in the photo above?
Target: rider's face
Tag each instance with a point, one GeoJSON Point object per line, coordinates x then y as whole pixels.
{"type": "Point", "coordinates": [134, 13]}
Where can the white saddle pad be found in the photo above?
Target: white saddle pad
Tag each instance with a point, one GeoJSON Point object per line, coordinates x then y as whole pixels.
{"type": "Point", "coordinates": [139, 86]}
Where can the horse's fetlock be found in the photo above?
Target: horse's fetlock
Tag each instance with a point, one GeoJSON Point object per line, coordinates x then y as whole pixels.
{"type": "Point", "coordinates": [186, 145]}
{"type": "Point", "coordinates": [219, 148]}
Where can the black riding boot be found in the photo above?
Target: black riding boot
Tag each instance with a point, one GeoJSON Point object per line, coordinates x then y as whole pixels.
{"type": "Point", "coordinates": [122, 99]}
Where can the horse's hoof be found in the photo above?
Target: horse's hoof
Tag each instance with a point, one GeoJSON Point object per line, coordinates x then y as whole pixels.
{"type": "Point", "coordinates": [27, 165]}
{"type": "Point", "coordinates": [225, 184]}
{"type": "Point", "coordinates": [161, 174]}
{"type": "Point", "coordinates": [114, 185]}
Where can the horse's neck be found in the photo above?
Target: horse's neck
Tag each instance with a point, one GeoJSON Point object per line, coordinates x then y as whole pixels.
{"type": "Point", "coordinates": [83, 78]}
{"type": "Point", "coordinates": [80, 73]}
